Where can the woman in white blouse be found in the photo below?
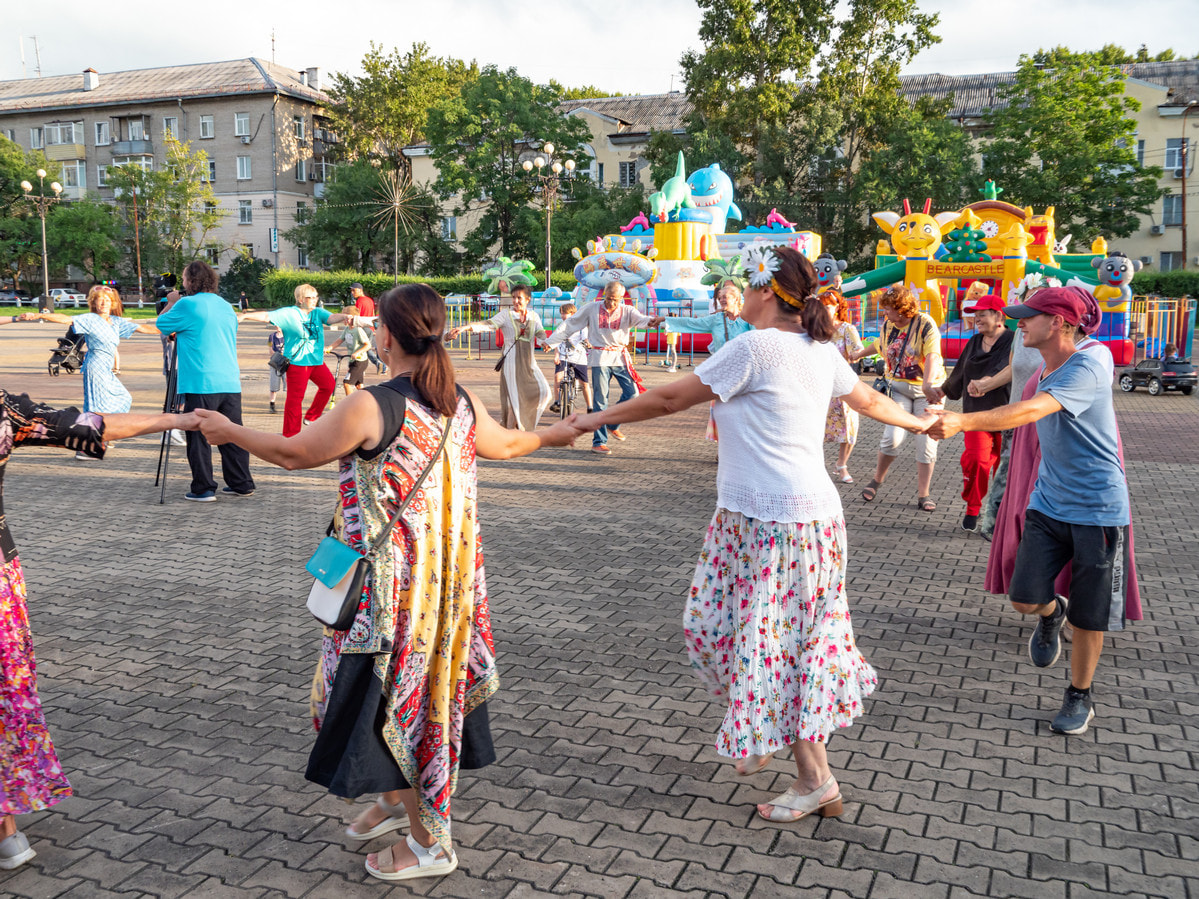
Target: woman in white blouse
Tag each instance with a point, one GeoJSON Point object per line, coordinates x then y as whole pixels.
{"type": "Point", "coordinates": [767, 624]}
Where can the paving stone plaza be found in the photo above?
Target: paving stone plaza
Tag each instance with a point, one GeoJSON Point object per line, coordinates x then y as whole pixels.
{"type": "Point", "coordinates": [176, 658]}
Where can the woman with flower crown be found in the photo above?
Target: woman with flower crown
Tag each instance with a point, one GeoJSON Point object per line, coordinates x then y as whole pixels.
{"type": "Point", "coordinates": [767, 624]}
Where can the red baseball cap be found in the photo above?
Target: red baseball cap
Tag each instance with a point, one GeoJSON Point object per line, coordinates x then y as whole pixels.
{"type": "Point", "coordinates": [1068, 302]}
{"type": "Point", "coordinates": [988, 301]}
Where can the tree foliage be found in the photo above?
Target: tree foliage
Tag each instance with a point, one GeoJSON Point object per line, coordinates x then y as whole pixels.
{"type": "Point", "coordinates": [590, 213]}
{"type": "Point", "coordinates": [86, 234]}
{"type": "Point", "coordinates": [478, 140]}
{"type": "Point", "coordinates": [20, 227]}
{"type": "Point", "coordinates": [1066, 138]}
{"type": "Point", "coordinates": [246, 273]}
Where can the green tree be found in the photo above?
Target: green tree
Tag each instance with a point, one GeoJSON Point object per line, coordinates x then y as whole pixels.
{"type": "Point", "coordinates": [245, 272]}
{"type": "Point", "coordinates": [478, 140]}
{"type": "Point", "coordinates": [590, 213]}
{"type": "Point", "coordinates": [586, 92]}
{"type": "Point", "coordinates": [701, 145]}
{"type": "Point", "coordinates": [20, 227]}
{"type": "Point", "coordinates": [190, 209]}
{"type": "Point", "coordinates": [387, 108]}
{"type": "Point", "coordinates": [1065, 138]}
{"type": "Point", "coordinates": [87, 234]}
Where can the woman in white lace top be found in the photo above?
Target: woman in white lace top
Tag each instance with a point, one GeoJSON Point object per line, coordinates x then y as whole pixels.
{"type": "Point", "coordinates": [767, 624]}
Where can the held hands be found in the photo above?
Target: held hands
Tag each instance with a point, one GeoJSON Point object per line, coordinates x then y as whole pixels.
{"type": "Point", "coordinates": [979, 387]}
{"type": "Point", "coordinates": [452, 333]}
{"type": "Point", "coordinates": [946, 425]}
{"type": "Point", "coordinates": [587, 422]}
{"type": "Point", "coordinates": [924, 423]}
{"type": "Point", "coordinates": [563, 433]}
{"type": "Point", "coordinates": [186, 421]}
{"type": "Point", "coordinates": [935, 395]}
{"type": "Point", "coordinates": [215, 427]}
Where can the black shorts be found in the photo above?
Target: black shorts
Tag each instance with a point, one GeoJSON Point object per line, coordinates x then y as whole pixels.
{"type": "Point", "coordinates": [356, 373]}
{"type": "Point", "coordinates": [579, 370]}
{"type": "Point", "coordinates": [1099, 569]}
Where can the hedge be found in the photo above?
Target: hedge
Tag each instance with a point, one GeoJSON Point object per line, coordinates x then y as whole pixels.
{"type": "Point", "coordinates": [1167, 284]}
{"type": "Point", "coordinates": [334, 287]}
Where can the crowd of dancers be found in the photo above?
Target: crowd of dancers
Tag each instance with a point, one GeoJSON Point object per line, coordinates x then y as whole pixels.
{"type": "Point", "coordinates": [401, 698]}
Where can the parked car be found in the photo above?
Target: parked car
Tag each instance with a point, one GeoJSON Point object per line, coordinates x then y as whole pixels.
{"type": "Point", "coordinates": [64, 296]}
{"type": "Point", "coordinates": [9, 297]}
{"type": "Point", "coordinates": [1159, 376]}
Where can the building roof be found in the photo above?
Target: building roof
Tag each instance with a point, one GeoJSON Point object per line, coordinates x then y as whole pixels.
{"type": "Point", "coordinates": [640, 114]}
{"type": "Point", "coordinates": [206, 79]}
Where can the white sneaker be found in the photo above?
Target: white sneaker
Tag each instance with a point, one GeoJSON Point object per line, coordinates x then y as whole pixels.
{"type": "Point", "coordinates": [178, 438]}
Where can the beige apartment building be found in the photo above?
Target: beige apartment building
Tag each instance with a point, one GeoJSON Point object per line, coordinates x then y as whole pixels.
{"type": "Point", "coordinates": [260, 124]}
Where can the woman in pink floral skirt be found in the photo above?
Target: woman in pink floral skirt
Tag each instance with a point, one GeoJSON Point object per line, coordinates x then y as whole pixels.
{"type": "Point", "coordinates": [767, 624]}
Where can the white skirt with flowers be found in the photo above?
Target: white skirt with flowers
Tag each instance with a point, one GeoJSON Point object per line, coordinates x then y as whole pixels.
{"type": "Point", "coordinates": [767, 627]}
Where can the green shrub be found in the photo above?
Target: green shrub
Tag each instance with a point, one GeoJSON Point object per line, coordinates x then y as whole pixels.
{"type": "Point", "coordinates": [334, 287]}
{"type": "Point", "coordinates": [1167, 284]}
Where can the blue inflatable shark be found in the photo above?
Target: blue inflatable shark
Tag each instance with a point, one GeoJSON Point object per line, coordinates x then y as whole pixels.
{"type": "Point", "coordinates": [712, 194]}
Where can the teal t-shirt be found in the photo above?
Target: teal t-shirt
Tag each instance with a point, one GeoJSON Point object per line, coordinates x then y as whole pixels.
{"type": "Point", "coordinates": [303, 333]}
{"type": "Point", "coordinates": [205, 329]}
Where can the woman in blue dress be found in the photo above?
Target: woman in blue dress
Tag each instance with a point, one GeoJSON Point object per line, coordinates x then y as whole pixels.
{"type": "Point", "coordinates": [102, 390]}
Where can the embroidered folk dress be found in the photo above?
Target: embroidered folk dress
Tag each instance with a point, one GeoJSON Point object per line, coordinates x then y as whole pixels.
{"type": "Point", "coordinates": [31, 777]}
{"type": "Point", "coordinates": [423, 631]}
{"type": "Point", "coordinates": [102, 390]}
{"type": "Point", "coordinates": [767, 625]}
{"type": "Point", "coordinates": [524, 392]}
{"type": "Point", "coordinates": [841, 426]}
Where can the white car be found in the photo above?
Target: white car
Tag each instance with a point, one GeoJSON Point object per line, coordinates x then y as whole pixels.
{"type": "Point", "coordinates": [63, 296]}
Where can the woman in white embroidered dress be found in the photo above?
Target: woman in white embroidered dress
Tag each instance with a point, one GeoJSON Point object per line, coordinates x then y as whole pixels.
{"type": "Point", "coordinates": [767, 624]}
{"type": "Point", "coordinates": [524, 392]}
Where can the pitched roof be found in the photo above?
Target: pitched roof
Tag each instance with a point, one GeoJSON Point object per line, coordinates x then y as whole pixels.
{"type": "Point", "coordinates": [206, 79]}
{"type": "Point", "coordinates": [640, 114]}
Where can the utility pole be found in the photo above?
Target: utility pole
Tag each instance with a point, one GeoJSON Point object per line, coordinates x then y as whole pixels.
{"type": "Point", "coordinates": [1184, 150]}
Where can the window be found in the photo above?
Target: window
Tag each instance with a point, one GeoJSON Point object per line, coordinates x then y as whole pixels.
{"type": "Point", "coordinates": [301, 169]}
{"type": "Point", "coordinates": [302, 257]}
{"type": "Point", "coordinates": [209, 207]}
{"type": "Point", "coordinates": [1173, 153]}
{"type": "Point", "coordinates": [74, 174]}
{"type": "Point", "coordinates": [64, 133]}
{"type": "Point", "coordinates": [145, 162]}
{"type": "Point", "coordinates": [241, 124]}
{"type": "Point", "coordinates": [245, 212]}
{"type": "Point", "coordinates": [248, 248]}
{"type": "Point", "coordinates": [137, 129]}
{"type": "Point", "coordinates": [101, 176]}
{"type": "Point", "coordinates": [37, 139]}
{"type": "Point", "coordinates": [449, 227]}
{"type": "Point", "coordinates": [298, 123]}
{"type": "Point", "coordinates": [207, 127]}
{"type": "Point", "coordinates": [243, 168]}
{"type": "Point", "coordinates": [1140, 152]}
{"type": "Point", "coordinates": [170, 127]}
{"type": "Point", "coordinates": [103, 134]}
{"type": "Point", "coordinates": [301, 213]}
{"type": "Point", "coordinates": [211, 175]}
{"type": "Point", "coordinates": [599, 173]}
{"type": "Point", "coordinates": [628, 174]}
{"type": "Point", "coordinates": [211, 255]}
{"type": "Point", "coordinates": [1171, 261]}
{"type": "Point", "coordinates": [10, 134]}
{"type": "Point", "coordinates": [1172, 210]}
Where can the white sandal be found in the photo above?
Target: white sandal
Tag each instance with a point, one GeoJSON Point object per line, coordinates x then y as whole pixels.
{"type": "Point", "coordinates": [846, 477]}
{"type": "Point", "coordinates": [15, 851]}
{"type": "Point", "coordinates": [397, 817]}
{"type": "Point", "coordinates": [804, 804]}
{"type": "Point", "coordinates": [427, 864]}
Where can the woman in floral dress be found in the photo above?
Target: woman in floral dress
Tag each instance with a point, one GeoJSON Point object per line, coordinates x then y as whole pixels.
{"type": "Point", "coordinates": [31, 777]}
{"type": "Point", "coordinates": [767, 624]}
{"type": "Point", "coordinates": [841, 426]}
{"type": "Point", "coordinates": [400, 699]}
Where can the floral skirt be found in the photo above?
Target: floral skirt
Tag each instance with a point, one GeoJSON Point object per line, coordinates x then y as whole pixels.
{"type": "Point", "coordinates": [767, 628]}
{"type": "Point", "coordinates": [841, 425]}
{"type": "Point", "coordinates": [30, 776]}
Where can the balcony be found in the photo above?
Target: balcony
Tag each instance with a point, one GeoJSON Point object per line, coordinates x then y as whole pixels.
{"type": "Point", "coordinates": [65, 152]}
{"type": "Point", "coordinates": [133, 148]}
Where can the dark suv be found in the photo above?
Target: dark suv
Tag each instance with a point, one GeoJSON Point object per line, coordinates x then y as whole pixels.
{"type": "Point", "coordinates": [1159, 376]}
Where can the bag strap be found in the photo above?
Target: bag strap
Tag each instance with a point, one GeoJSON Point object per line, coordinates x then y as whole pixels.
{"type": "Point", "coordinates": [386, 532]}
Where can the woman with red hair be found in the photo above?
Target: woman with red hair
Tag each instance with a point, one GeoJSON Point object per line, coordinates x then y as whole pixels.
{"type": "Point", "coordinates": [841, 426]}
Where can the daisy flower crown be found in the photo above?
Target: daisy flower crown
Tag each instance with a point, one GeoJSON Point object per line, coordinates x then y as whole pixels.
{"type": "Point", "coordinates": [760, 266]}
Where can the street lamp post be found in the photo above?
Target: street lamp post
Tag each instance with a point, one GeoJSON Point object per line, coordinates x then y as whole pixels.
{"type": "Point", "coordinates": [1184, 151]}
{"type": "Point", "coordinates": [550, 185]}
{"type": "Point", "coordinates": [43, 203]}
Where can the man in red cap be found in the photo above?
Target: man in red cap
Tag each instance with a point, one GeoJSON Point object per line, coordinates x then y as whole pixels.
{"type": "Point", "coordinates": [1079, 510]}
{"type": "Point", "coordinates": [985, 354]}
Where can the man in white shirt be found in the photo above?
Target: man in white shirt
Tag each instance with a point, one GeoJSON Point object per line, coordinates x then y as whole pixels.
{"type": "Point", "coordinates": [609, 323]}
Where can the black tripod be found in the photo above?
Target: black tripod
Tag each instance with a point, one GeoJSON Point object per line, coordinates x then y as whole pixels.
{"type": "Point", "coordinates": [171, 405]}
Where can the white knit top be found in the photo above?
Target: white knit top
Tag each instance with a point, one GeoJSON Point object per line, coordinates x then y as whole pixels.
{"type": "Point", "coordinates": [774, 389]}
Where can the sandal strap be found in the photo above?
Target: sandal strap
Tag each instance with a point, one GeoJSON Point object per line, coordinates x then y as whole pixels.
{"type": "Point", "coordinates": [392, 811]}
{"type": "Point", "coordinates": [435, 854]}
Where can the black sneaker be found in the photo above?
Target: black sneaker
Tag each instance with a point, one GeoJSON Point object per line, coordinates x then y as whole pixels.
{"type": "Point", "coordinates": [1045, 645]}
{"type": "Point", "coordinates": [273, 409]}
{"type": "Point", "coordinates": [970, 523]}
{"type": "Point", "coordinates": [208, 496]}
{"type": "Point", "coordinates": [230, 490]}
{"type": "Point", "coordinates": [1077, 712]}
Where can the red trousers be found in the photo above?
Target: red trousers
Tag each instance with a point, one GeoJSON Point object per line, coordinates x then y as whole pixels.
{"type": "Point", "coordinates": [298, 377]}
{"type": "Point", "coordinates": [979, 462]}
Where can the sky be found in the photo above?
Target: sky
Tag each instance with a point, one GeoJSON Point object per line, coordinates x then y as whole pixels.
{"type": "Point", "coordinates": [634, 51]}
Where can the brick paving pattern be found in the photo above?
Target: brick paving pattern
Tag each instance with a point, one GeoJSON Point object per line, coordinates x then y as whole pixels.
{"type": "Point", "coordinates": [175, 661]}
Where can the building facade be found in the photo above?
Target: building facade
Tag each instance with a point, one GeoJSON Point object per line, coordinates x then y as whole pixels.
{"type": "Point", "coordinates": [261, 126]}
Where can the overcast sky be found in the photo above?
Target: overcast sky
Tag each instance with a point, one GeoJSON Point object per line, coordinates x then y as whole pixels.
{"type": "Point", "coordinates": [631, 51]}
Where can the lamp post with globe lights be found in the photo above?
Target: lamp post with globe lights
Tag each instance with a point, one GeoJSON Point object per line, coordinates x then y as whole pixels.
{"type": "Point", "coordinates": [43, 203]}
{"type": "Point", "coordinates": [551, 183]}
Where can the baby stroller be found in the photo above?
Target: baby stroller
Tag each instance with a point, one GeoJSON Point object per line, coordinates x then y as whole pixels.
{"type": "Point", "coordinates": [67, 355]}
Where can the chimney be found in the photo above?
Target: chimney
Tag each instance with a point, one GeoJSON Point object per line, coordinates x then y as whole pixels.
{"type": "Point", "coordinates": [91, 79]}
{"type": "Point", "coordinates": [304, 79]}
{"type": "Point", "coordinates": [314, 78]}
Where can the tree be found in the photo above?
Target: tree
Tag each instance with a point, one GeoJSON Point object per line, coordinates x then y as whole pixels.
{"type": "Point", "coordinates": [20, 227]}
{"type": "Point", "coordinates": [588, 213]}
{"type": "Point", "coordinates": [1107, 55]}
{"type": "Point", "coordinates": [87, 234]}
{"type": "Point", "coordinates": [586, 92]}
{"type": "Point", "coordinates": [245, 273]}
{"type": "Point", "coordinates": [478, 140]}
{"type": "Point", "coordinates": [701, 145]}
{"type": "Point", "coordinates": [1065, 138]}
{"type": "Point", "coordinates": [387, 109]}
{"type": "Point", "coordinates": [190, 208]}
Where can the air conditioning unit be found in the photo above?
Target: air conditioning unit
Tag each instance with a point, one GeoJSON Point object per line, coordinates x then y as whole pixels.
{"type": "Point", "coordinates": [267, 204]}
{"type": "Point", "coordinates": [245, 139]}
{"type": "Point", "coordinates": [1146, 260]}
{"type": "Point", "coordinates": [1158, 229]}
{"type": "Point", "coordinates": [312, 176]}
{"type": "Point", "coordinates": [1178, 174]}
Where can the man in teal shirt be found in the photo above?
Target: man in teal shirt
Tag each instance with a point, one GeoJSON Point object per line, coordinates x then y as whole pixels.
{"type": "Point", "coordinates": [205, 329]}
{"type": "Point", "coordinates": [303, 327]}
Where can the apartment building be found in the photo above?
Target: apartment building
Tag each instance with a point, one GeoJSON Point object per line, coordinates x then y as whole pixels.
{"type": "Point", "coordinates": [260, 124]}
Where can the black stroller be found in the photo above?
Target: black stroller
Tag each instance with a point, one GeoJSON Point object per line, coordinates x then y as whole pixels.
{"type": "Point", "coordinates": [67, 355]}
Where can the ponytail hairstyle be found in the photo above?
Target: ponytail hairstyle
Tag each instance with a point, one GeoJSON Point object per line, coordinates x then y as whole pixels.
{"type": "Point", "coordinates": [414, 315]}
{"type": "Point", "coordinates": [797, 280]}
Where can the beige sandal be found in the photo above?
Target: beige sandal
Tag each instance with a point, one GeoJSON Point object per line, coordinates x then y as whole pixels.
{"type": "Point", "coordinates": [803, 804]}
{"type": "Point", "coordinates": [432, 862]}
{"type": "Point", "coordinates": [397, 817]}
{"type": "Point", "coordinates": [752, 764]}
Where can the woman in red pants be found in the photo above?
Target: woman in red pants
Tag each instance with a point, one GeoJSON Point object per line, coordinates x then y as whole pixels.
{"type": "Point", "coordinates": [303, 327]}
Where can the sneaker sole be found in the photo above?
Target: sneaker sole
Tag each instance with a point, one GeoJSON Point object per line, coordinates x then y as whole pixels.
{"type": "Point", "coordinates": [1077, 730]}
{"type": "Point", "coordinates": [1056, 655]}
{"type": "Point", "coordinates": [200, 499]}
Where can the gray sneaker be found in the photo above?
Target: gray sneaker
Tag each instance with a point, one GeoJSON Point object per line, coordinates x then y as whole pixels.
{"type": "Point", "coordinates": [1077, 712]}
{"type": "Point", "coordinates": [1045, 645]}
